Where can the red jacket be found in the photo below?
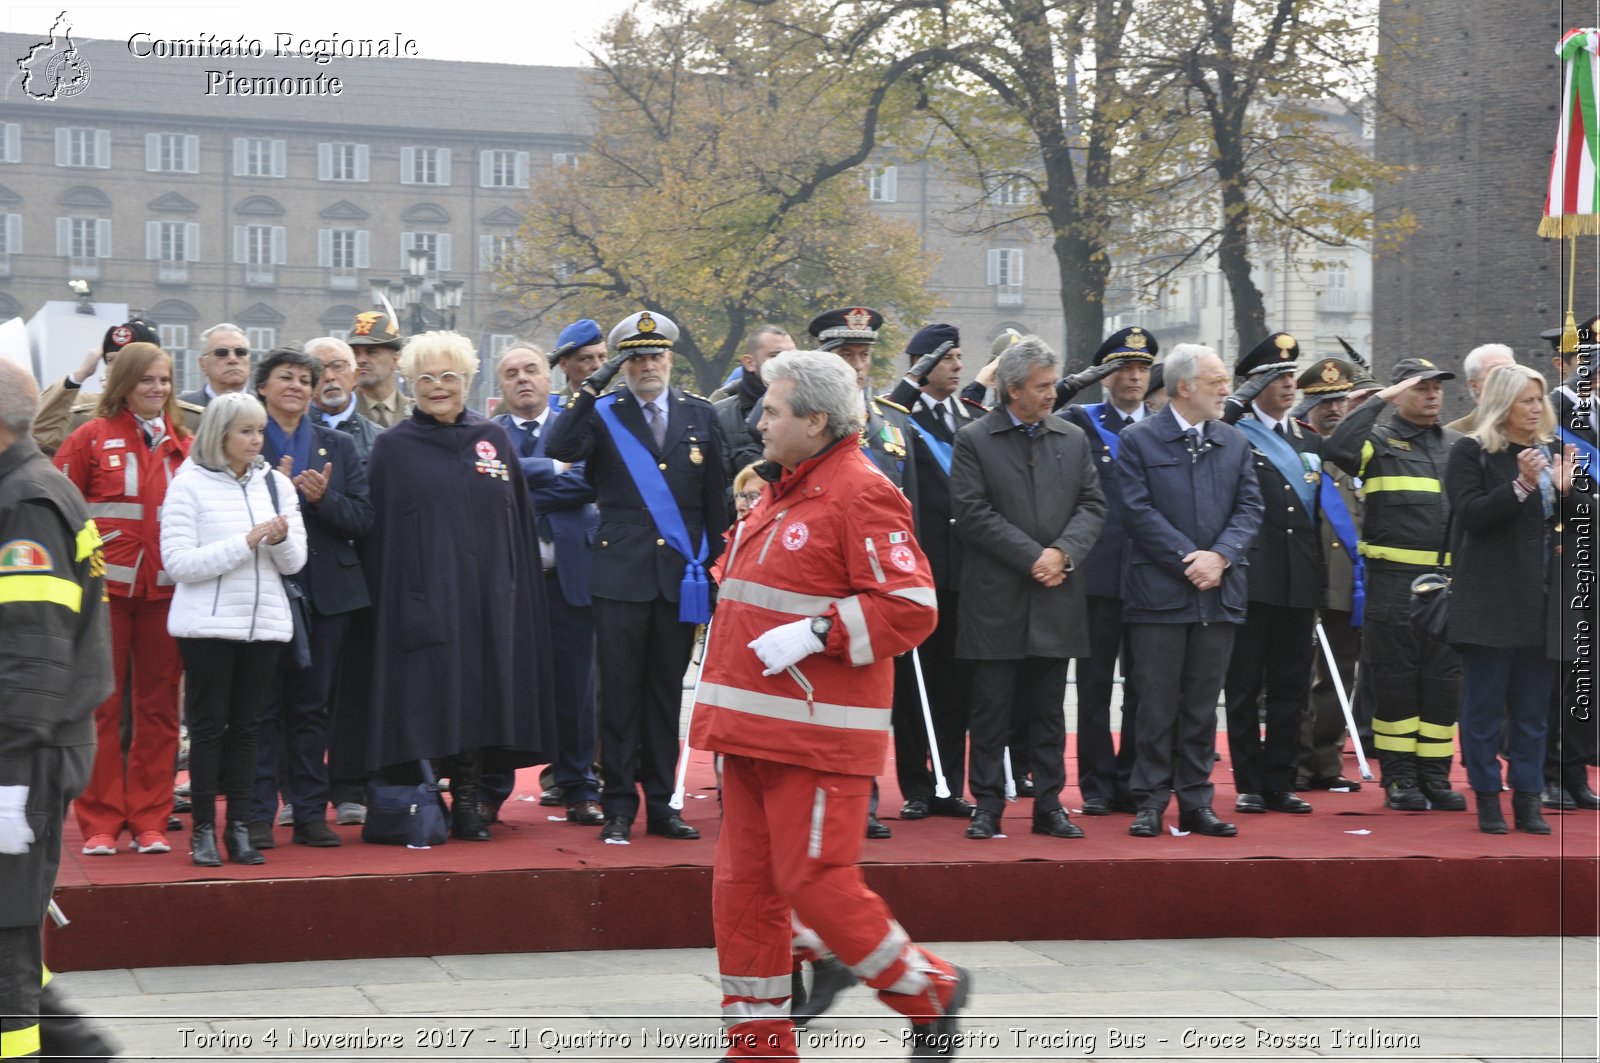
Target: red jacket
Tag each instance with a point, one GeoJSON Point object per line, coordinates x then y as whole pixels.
{"type": "Point", "coordinates": [832, 538]}
{"type": "Point", "coordinates": [125, 483]}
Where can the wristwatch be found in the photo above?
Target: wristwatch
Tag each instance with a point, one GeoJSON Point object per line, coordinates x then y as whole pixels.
{"type": "Point", "coordinates": [820, 626]}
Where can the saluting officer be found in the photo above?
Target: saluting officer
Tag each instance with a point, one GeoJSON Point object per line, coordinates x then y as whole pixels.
{"type": "Point", "coordinates": [655, 459]}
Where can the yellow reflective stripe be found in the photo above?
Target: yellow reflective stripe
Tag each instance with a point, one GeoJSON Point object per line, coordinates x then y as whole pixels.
{"type": "Point", "coordinates": [49, 589]}
{"type": "Point", "coordinates": [47, 976]}
{"type": "Point", "coordinates": [1395, 743]}
{"type": "Point", "coordinates": [1396, 727]}
{"type": "Point", "coordinates": [1446, 731]}
{"type": "Point", "coordinates": [1436, 749]}
{"type": "Point", "coordinates": [88, 540]}
{"type": "Point", "coordinates": [1401, 483]}
{"type": "Point", "coordinates": [14, 1044]}
{"type": "Point", "coordinates": [1366, 456]}
{"type": "Point", "coordinates": [1401, 554]}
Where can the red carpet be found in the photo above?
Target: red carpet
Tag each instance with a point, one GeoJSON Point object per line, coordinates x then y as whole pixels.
{"type": "Point", "coordinates": [543, 885]}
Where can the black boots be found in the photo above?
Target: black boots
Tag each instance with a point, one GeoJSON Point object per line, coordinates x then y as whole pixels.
{"type": "Point", "coordinates": [203, 845]}
{"type": "Point", "coordinates": [1490, 818]}
{"type": "Point", "coordinates": [1576, 782]}
{"type": "Point", "coordinates": [1525, 812]}
{"type": "Point", "coordinates": [236, 838]}
{"type": "Point", "coordinates": [466, 815]}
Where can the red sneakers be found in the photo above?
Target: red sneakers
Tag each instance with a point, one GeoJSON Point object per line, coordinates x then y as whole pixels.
{"type": "Point", "coordinates": [150, 841]}
{"type": "Point", "coordinates": [100, 845]}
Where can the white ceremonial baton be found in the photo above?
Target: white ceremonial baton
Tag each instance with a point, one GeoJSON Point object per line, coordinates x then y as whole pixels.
{"type": "Point", "coordinates": [941, 788]}
{"type": "Point", "coordinates": [1344, 703]}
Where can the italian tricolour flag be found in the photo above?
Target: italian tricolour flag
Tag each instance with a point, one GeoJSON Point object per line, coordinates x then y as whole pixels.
{"type": "Point", "coordinates": [1572, 206]}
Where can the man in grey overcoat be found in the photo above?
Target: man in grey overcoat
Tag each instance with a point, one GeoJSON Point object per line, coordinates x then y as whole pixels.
{"type": "Point", "coordinates": [1028, 504]}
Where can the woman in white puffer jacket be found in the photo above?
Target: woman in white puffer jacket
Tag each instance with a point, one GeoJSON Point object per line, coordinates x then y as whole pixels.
{"type": "Point", "coordinates": [228, 546]}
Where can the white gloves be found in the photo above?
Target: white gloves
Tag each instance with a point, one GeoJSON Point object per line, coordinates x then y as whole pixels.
{"type": "Point", "coordinates": [785, 645]}
{"type": "Point", "coordinates": [15, 834]}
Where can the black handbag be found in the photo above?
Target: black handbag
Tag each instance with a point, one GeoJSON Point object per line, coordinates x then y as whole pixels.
{"type": "Point", "coordinates": [1430, 595]}
{"type": "Point", "coordinates": [299, 604]}
{"type": "Point", "coordinates": [406, 814]}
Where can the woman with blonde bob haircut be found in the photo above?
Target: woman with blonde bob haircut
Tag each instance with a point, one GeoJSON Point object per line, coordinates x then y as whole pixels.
{"type": "Point", "coordinates": [1511, 496]}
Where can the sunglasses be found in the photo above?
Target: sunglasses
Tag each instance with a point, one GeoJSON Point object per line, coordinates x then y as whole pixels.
{"type": "Point", "coordinates": [234, 352]}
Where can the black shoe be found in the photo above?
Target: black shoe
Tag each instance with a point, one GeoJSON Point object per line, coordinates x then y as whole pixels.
{"type": "Point", "coordinates": [983, 825]}
{"type": "Point", "coordinates": [617, 829]}
{"type": "Point", "coordinates": [236, 838]}
{"type": "Point", "coordinates": [466, 815]}
{"type": "Point", "coordinates": [1576, 784]}
{"type": "Point", "coordinates": [671, 827]}
{"type": "Point", "coordinates": [553, 797]}
{"type": "Point", "coordinates": [181, 803]}
{"type": "Point", "coordinates": [203, 846]}
{"type": "Point", "coordinates": [1402, 795]}
{"type": "Point", "coordinates": [1526, 815]}
{"type": "Point", "coordinates": [1284, 801]}
{"type": "Point", "coordinates": [1097, 806]}
{"type": "Point", "coordinates": [916, 808]}
{"type": "Point", "coordinates": [1146, 823]}
{"type": "Point", "coordinates": [938, 1039]}
{"type": "Point", "coordinates": [1204, 821]}
{"type": "Point", "coordinates": [1557, 799]}
{"type": "Point", "coordinates": [1332, 782]}
{"type": "Point", "coordinates": [1025, 788]}
{"type": "Point", "coordinates": [316, 834]}
{"type": "Point", "coordinates": [1249, 803]}
{"type": "Point", "coordinates": [875, 828]}
{"type": "Point", "coordinates": [829, 978]}
{"type": "Point", "coordinates": [1439, 796]}
{"type": "Point", "coordinates": [1057, 824]}
{"type": "Point", "coordinates": [261, 834]}
{"type": "Point", "coordinates": [1490, 819]}
{"type": "Point", "coordinates": [951, 807]}
{"type": "Point", "coordinates": [587, 814]}
{"type": "Point", "coordinates": [174, 824]}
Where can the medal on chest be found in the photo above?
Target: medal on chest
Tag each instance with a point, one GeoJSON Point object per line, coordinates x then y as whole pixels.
{"type": "Point", "coordinates": [489, 463]}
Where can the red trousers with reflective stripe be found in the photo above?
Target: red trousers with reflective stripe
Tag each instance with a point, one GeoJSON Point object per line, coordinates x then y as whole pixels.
{"type": "Point", "coordinates": [790, 839]}
{"type": "Point", "coordinates": [135, 792]}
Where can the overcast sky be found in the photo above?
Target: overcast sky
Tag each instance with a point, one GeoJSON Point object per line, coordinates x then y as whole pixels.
{"type": "Point", "coordinates": [540, 32]}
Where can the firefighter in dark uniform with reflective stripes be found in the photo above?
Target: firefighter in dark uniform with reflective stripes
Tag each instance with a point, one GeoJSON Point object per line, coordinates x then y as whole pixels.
{"type": "Point", "coordinates": [1415, 682]}
{"type": "Point", "coordinates": [55, 668]}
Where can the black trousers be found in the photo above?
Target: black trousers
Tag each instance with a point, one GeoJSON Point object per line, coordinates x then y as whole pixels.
{"type": "Point", "coordinates": [1104, 771]}
{"type": "Point", "coordinates": [1029, 692]}
{"type": "Point", "coordinates": [647, 652]}
{"type": "Point", "coordinates": [1416, 687]}
{"type": "Point", "coordinates": [1177, 736]}
{"type": "Point", "coordinates": [292, 733]}
{"type": "Point", "coordinates": [1272, 656]}
{"type": "Point", "coordinates": [225, 688]}
{"type": "Point", "coordinates": [1571, 736]}
{"type": "Point", "coordinates": [949, 683]}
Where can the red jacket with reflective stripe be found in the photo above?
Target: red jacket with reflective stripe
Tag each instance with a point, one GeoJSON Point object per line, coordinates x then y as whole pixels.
{"type": "Point", "coordinates": [125, 483]}
{"type": "Point", "coordinates": [832, 538]}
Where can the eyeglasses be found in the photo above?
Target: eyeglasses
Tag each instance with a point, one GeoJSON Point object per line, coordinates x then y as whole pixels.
{"type": "Point", "coordinates": [447, 378]}
{"type": "Point", "coordinates": [751, 497]}
{"type": "Point", "coordinates": [234, 352]}
{"type": "Point", "coordinates": [338, 365]}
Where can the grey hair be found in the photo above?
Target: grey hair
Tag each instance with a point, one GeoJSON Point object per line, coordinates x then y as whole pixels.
{"type": "Point", "coordinates": [221, 412]}
{"type": "Point", "coordinates": [312, 347]}
{"type": "Point", "coordinates": [1183, 365]}
{"type": "Point", "coordinates": [823, 383]}
{"type": "Point", "coordinates": [19, 398]}
{"type": "Point", "coordinates": [223, 326]}
{"type": "Point", "coordinates": [1472, 365]}
{"type": "Point", "coordinates": [1017, 363]}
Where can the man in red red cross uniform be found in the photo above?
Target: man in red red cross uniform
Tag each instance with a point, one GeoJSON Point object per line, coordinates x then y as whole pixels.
{"type": "Point", "coordinates": [824, 585]}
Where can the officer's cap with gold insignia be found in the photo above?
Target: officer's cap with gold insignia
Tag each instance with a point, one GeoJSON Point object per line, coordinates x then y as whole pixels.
{"type": "Point", "coordinates": [644, 331]}
{"type": "Point", "coordinates": [1406, 368]}
{"type": "Point", "coordinates": [136, 331]}
{"type": "Point", "coordinates": [374, 328]}
{"type": "Point", "coordinates": [1326, 378]}
{"type": "Point", "coordinates": [848, 324]}
{"type": "Point", "coordinates": [1278, 349]}
{"type": "Point", "coordinates": [1131, 344]}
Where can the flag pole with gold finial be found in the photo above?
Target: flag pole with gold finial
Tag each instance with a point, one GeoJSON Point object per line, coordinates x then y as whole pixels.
{"type": "Point", "coordinates": [1572, 204]}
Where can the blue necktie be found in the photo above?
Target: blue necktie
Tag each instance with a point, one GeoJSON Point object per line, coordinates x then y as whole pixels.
{"type": "Point", "coordinates": [530, 439]}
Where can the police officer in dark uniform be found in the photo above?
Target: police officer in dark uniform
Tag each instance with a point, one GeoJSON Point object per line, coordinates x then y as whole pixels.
{"type": "Point", "coordinates": [1415, 682]}
{"type": "Point", "coordinates": [655, 459]}
{"type": "Point", "coordinates": [1273, 653]}
{"type": "Point", "coordinates": [937, 414]}
{"type": "Point", "coordinates": [1123, 364]}
{"type": "Point", "coordinates": [55, 669]}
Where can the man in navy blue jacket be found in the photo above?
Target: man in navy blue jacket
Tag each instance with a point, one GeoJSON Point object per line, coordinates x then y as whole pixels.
{"type": "Point", "coordinates": [1192, 508]}
{"type": "Point", "coordinates": [563, 501]}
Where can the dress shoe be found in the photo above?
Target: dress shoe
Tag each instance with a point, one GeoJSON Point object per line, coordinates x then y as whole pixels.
{"type": "Point", "coordinates": [316, 834]}
{"type": "Point", "coordinates": [203, 846]}
{"type": "Point", "coordinates": [617, 829]}
{"type": "Point", "coordinates": [261, 834]}
{"type": "Point", "coordinates": [671, 827]}
{"type": "Point", "coordinates": [1402, 795]}
{"type": "Point", "coordinates": [916, 808]}
{"type": "Point", "coordinates": [951, 807]}
{"type": "Point", "coordinates": [587, 813]}
{"type": "Point", "coordinates": [1057, 824]}
{"type": "Point", "coordinates": [1332, 782]}
{"type": "Point", "coordinates": [553, 797]}
{"type": "Point", "coordinates": [1025, 788]}
{"type": "Point", "coordinates": [1556, 798]}
{"type": "Point", "coordinates": [236, 838]}
{"type": "Point", "coordinates": [1204, 821]}
{"type": "Point", "coordinates": [1439, 796]}
{"type": "Point", "coordinates": [1576, 784]}
{"type": "Point", "coordinates": [829, 978]}
{"type": "Point", "coordinates": [940, 1038]}
{"type": "Point", "coordinates": [875, 828]}
{"type": "Point", "coordinates": [983, 825]}
{"type": "Point", "coordinates": [1525, 813]}
{"type": "Point", "coordinates": [1146, 823]}
{"type": "Point", "coordinates": [1097, 806]}
{"type": "Point", "coordinates": [1285, 801]}
{"type": "Point", "coordinates": [1249, 803]}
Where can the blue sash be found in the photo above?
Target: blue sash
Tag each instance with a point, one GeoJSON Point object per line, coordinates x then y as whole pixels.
{"type": "Point", "coordinates": [1344, 529]}
{"type": "Point", "coordinates": [1588, 455]}
{"type": "Point", "coordinates": [941, 451]}
{"type": "Point", "coordinates": [1109, 437]}
{"type": "Point", "coordinates": [1290, 463]}
{"type": "Point", "coordinates": [694, 593]}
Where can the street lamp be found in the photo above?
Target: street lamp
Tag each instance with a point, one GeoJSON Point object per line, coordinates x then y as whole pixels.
{"type": "Point", "coordinates": [407, 293]}
{"type": "Point", "coordinates": [85, 295]}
